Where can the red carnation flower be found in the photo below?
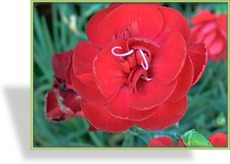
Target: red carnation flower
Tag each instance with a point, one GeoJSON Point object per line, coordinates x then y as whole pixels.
{"type": "Point", "coordinates": [217, 140]}
{"type": "Point", "coordinates": [136, 68]}
{"type": "Point", "coordinates": [211, 29]}
{"type": "Point", "coordinates": [62, 103]}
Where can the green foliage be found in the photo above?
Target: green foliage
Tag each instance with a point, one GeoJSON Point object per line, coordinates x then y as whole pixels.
{"type": "Point", "coordinates": [60, 29]}
{"type": "Point", "coordinates": [193, 138]}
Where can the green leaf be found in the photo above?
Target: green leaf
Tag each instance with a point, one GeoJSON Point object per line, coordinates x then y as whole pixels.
{"type": "Point", "coordinates": [128, 140]}
{"type": "Point", "coordinates": [192, 138]}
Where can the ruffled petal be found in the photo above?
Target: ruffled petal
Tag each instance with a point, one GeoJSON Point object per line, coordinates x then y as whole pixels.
{"type": "Point", "coordinates": [153, 93]}
{"type": "Point", "coordinates": [203, 16]}
{"type": "Point", "coordinates": [83, 57]}
{"type": "Point", "coordinates": [88, 92]}
{"type": "Point", "coordinates": [108, 71]}
{"type": "Point", "coordinates": [100, 119]}
{"type": "Point", "coordinates": [174, 21]}
{"type": "Point", "coordinates": [92, 29]}
{"type": "Point", "coordinates": [184, 81]}
{"type": "Point", "coordinates": [119, 107]}
{"type": "Point", "coordinates": [161, 142]}
{"type": "Point", "coordinates": [165, 116]}
{"type": "Point", "coordinates": [146, 17]}
{"type": "Point", "coordinates": [199, 57]}
{"type": "Point", "coordinates": [60, 63]}
{"type": "Point", "coordinates": [219, 140]}
{"type": "Point", "coordinates": [168, 62]}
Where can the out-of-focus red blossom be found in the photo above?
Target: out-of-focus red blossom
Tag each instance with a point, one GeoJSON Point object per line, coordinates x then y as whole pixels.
{"type": "Point", "coordinates": [62, 103]}
{"type": "Point", "coordinates": [211, 29]}
{"type": "Point", "coordinates": [217, 140]}
{"type": "Point", "coordinates": [136, 68]}
{"type": "Point", "coordinates": [161, 142]}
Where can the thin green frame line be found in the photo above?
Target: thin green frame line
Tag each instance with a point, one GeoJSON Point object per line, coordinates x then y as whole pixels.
{"type": "Point", "coordinates": [109, 148]}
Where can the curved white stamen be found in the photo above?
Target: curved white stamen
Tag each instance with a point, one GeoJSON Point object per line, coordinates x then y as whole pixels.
{"type": "Point", "coordinates": [121, 55]}
{"type": "Point", "coordinates": [146, 78]}
{"type": "Point", "coordinates": [144, 66]}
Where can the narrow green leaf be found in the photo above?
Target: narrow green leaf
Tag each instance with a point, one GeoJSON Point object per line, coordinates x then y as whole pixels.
{"type": "Point", "coordinates": [48, 39]}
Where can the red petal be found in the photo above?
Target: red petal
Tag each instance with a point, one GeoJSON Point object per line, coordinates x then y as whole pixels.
{"type": "Point", "coordinates": [52, 109]}
{"type": "Point", "coordinates": [161, 142]}
{"type": "Point", "coordinates": [206, 28]}
{"type": "Point", "coordinates": [71, 100]}
{"type": "Point", "coordinates": [67, 75]}
{"type": "Point", "coordinates": [87, 78]}
{"type": "Point", "coordinates": [155, 4]}
{"type": "Point", "coordinates": [60, 63]}
{"type": "Point", "coordinates": [88, 92]}
{"type": "Point", "coordinates": [62, 106]}
{"type": "Point", "coordinates": [108, 71]}
{"type": "Point", "coordinates": [119, 107]}
{"type": "Point", "coordinates": [217, 46]}
{"type": "Point", "coordinates": [154, 93]}
{"type": "Point", "coordinates": [209, 38]}
{"type": "Point", "coordinates": [167, 63]}
{"type": "Point", "coordinates": [92, 29]}
{"type": "Point", "coordinates": [165, 116]}
{"type": "Point", "coordinates": [148, 19]}
{"type": "Point", "coordinates": [174, 21]}
{"type": "Point", "coordinates": [203, 16]}
{"type": "Point", "coordinates": [222, 24]}
{"type": "Point", "coordinates": [100, 119]}
{"type": "Point", "coordinates": [83, 57]}
{"type": "Point", "coordinates": [219, 140]}
{"type": "Point", "coordinates": [198, 55]}
{"type": "Point", "coordinates": [180, 143]}
{"type": "Point", "coordinates": [194, 34]}
{"type": "Point", "coordinates": [184, 81]}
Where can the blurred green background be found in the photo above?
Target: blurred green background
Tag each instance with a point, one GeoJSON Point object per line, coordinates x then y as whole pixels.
{"type": "Point", "coordinates": [58, 27]}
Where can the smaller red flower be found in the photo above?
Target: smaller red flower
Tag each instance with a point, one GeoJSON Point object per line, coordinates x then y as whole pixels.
{"type": "Point", "coordinates": [161, 142]}
{"type": "Point", "coordinates": [217, 140]}
{"type": "Point", "coordinates": [211, 29]}
{"type": "Point", "coordinates": [62, 103]}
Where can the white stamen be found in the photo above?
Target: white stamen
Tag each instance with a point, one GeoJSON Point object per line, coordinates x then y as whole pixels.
{"type": "Point", "coordinates": [146, 78]}
{"type": "Point", "coordinates": [121, 55]}
{"type": "Point", "coordinates": [144, 66]}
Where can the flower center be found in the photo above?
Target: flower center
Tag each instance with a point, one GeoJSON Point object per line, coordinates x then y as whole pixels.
{"type": "Point", "coordinates": [144, 61]}
{"type": "Point", "coordinates": [135, 63]}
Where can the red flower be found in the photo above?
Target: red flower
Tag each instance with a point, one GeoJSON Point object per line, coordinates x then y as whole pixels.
{"type": "Point", "coordinates": [161, 142]}
{"type": "Point", "coordinates": [62, 103]}
{"type": "Point", "coordinates": [136, 68]}
{"type": "Point", "coordinates": [217, 140]}
{"type": "Point", "coordinates": [211, 29]}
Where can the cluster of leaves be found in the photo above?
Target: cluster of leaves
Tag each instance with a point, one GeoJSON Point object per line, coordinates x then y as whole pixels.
{"type": "Point", "coordinates": [59, 27]}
